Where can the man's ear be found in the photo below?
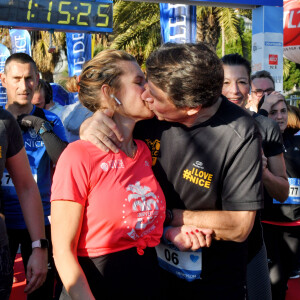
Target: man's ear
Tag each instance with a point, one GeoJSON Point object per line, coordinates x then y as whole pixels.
{"type": "Point", "coordinates": [193, 111]}
{"type": "Point", "coordinates": [3, 79]}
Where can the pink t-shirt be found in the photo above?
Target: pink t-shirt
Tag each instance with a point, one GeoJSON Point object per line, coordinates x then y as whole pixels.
{"type": "Point", "coordinates": [124, 204]}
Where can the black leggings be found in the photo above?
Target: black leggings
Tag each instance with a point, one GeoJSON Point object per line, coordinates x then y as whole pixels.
{"type": "Point", "coordinates": [122, 274]}
{"type": "Point", "coordinates": [283, 251]}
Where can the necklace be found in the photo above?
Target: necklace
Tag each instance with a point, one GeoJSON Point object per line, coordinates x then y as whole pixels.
{"type": "Point", "coordinates": [131, 152]}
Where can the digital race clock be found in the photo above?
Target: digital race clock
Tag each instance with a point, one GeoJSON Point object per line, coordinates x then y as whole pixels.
{"type": "Point", "coordinates": [72, 15]}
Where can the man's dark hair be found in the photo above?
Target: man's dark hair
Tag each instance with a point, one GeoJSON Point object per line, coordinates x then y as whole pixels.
{"type": "Point", "coordinates": [22, 58]}
{"type": "Point", "coordinates": [191, 74]}
{"type": "Point", "coordinates": [263, 74]}
{"type": "Point", "coordinates": [236, 59]}
{"type": "Point", "coordinates": [46, 87]}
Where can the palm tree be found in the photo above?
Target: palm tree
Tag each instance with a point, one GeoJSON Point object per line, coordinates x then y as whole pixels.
{"type": "Point", "coordinates": [46, 61]}
{"type": "Point", "coordinates": [213, 21]}
{"type": "Point", "coordinates": [136, 28]}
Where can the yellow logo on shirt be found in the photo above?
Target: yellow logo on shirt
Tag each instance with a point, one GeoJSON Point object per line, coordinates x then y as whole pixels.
{"type": "Point", "coordinates": [198, 177]}
{"type": "Point", "coordinates": [154, 148]}
{"type": "Point", "coordinates": [0, 151]}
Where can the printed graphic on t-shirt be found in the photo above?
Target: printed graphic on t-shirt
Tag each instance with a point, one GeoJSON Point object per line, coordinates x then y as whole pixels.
{"type": "Point", "coordinates": [154, 147]}
{"type": "Point", "coordinates": [32, 140]}
{"type": "Point", "coordinates": [146, 205]}
{"type": "Point", "coordinates": [197, 175]}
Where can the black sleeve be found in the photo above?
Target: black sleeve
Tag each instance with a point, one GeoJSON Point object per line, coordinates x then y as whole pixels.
{"type": "Point", "coordinates": [15, 143]}
{"type": "Point", "coordinates": [263, 112]}
{"type": "Point", "coordinates": [54, 145]}
{"type": "Point", "coordinates": [274, 143]}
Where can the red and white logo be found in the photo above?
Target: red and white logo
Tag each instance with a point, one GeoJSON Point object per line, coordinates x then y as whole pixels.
{"type": "Point", "coordinates": [273, 59]}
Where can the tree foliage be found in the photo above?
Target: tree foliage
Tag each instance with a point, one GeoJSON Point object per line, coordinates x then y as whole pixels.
{"type": "Point", "coordinates": [291, 79]}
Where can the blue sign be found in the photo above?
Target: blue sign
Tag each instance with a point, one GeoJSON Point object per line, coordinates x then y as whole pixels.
{"type": "Point", "coordinates": [20, 41]}
{"type": "Point", "coordinates": [246, 2]}
{"type": "Point", "coordinates": [178, 23]}
{"type": "Point", "coordinates": [4, 54]}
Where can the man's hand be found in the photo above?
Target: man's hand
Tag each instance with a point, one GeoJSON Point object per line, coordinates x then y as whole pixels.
{"type": "Point", "coordinates": [30, 121]}
{"type": "Point", "coordinates": [102, 131]}
{"type": "Point", "coordinates": [271, 100]}
{"type": "Point", "coordinates": [189, 238]}
{"type": "Point", "coordinates": [37, 269]}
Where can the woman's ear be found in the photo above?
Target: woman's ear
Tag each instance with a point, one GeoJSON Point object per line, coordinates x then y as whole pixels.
{"type": "Point", "coordinates": [107, 100]}
{"type": "Point", "coordinates": [106, 91]}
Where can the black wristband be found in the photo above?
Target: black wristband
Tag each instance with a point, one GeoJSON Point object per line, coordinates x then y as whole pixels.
{"type": "Point", "coordinates": [169, 217]}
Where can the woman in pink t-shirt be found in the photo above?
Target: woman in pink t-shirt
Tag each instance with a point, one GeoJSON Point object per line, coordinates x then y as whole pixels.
{"type": "Point", "coordinates": [107, 209]}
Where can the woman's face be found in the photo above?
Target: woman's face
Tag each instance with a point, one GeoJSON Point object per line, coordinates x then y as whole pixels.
{"type": "Point", "coordinates": [279, 114]}
{"type": "Point", "coordinates": [236, 84]}
{"type": "Point", "coordinates": [132, 87]}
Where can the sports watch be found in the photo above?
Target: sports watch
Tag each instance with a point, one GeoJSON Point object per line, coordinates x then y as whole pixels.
{"type": "Point", "coordinates": [42, 243]}
{"type": "Point", "coordinates": [46, 127]}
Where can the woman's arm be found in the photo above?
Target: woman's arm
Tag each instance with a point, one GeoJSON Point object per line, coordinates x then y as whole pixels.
{"type": "Point", "coordinates": [66, 221]}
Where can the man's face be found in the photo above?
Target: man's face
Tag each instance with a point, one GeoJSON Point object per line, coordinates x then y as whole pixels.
{"type": "Point", "coordinates": [260, 87]}
{"type": "Point", "coordinates": [20, 81]}
{"type": "Point", "coordinates": [164, 109]}
{"type": "Point", "coordinates": [39, 99]}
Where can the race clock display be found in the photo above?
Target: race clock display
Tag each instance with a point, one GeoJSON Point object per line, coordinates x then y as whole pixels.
{"type": "Point", "coordinates": [72, 15]}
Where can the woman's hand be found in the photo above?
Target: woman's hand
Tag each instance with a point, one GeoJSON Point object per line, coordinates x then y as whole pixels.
{"type": "Point", "coordinates": [189, 238]}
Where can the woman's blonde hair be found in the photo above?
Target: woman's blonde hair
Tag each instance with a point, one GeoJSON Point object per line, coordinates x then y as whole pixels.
{"type": "Point", "coordinates": [104, 68]}
{"type": "Point", "coordinates": [293, 117]}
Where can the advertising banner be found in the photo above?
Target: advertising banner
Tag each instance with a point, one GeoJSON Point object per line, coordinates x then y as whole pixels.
{"type": "Point", "coordinates": [78, 52]}
{"type": "Point", "coordinates": [20, 41]}
{"type": "Point", "coordinates": [4, 54]}
{"type": "Point", "coordinates": [291, 30]}
{"type": "Point", "coordinates": [178, 23]}
{"type": "Point", "coordinates": [267, 42]}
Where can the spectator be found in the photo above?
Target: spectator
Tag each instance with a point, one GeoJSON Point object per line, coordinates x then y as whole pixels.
{"type": "Point", "coordinates": [236, 88]}
{"type": "Point", "coordinates": [262, 83]}
{"type": "Point", "coordinates": [281, 222]}
{"type": "Point", "coordinates": [43, 144]}
{"type": "Point", "coordinates": [293, 123]}
{"type": "Point", "coordinates": [14, 159]}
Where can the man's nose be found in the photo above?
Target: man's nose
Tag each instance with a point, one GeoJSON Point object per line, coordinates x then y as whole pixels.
{"type": "Point", "coordinates": [146, 96]}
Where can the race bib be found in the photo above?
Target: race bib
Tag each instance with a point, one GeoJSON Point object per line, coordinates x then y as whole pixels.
{"type": "Point", "coordinates": [6, 180]}
{"type": "Point", "coordinates": [294, 194]}
{"type": "Point", "coordinates": [185, 265]}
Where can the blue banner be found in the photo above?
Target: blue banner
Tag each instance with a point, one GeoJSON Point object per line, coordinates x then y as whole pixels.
{"type": "Point", "coordinates": [79, 47]}
{"type": "Point", "coordinates": [245, 2]}
{"type": "Point", "coordinates": [178, 23]}
{"type": "Point", "coordinates": [20, 41]}
{"type": "Point", "coordinates": [4, 54]}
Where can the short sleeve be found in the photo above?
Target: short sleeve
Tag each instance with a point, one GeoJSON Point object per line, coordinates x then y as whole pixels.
{"type": "Point", "coordinates": [71, 176]}
{"type": "Point", "coordinates": [242, 183]}
{"type": "Point", "coordinates": [15, 139]}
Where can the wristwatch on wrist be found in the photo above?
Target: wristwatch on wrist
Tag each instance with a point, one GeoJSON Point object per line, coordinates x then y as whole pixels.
{"type": "Point", "coordinates": [42, 243]}
{"type": "Point", "coordinates": [46, 127]}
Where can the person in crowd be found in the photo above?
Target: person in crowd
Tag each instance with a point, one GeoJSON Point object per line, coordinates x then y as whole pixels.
{"type": "Point", "coordinates": [43, 98]}
{"type": "Point", "coordinates": [44, 140]}
{"type": "Point", "coordinates": [206, 155]}
{"type": "Point", "coordinates": [262, 83]}
{"type": "Point", "coordinates": [281, 222]}
{"type": "Point", "coordinates": [13, 157]}
{"type": "Point", "coordinates": [108, 211]}
{"type": "Point", "coordinates": [236, 88]}
{"type": "Point", "coordinates": [72, 117]}
{"type": "Point", "coordinates": [293, 123]}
